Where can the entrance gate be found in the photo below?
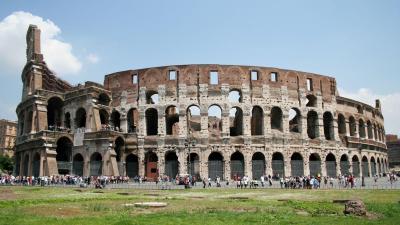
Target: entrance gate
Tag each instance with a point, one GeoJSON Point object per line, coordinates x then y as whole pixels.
{"type": "Point", "coordinates": [215, 166]}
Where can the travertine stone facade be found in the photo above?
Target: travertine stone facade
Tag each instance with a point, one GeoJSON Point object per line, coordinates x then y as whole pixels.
{"type": "Point", "coordinates": [8, 134]}
{"type": "Point", "coordinates": [204, 120]}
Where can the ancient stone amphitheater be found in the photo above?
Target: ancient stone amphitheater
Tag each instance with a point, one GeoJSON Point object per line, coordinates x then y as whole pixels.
{"type": "Point", "coordinates": [204, 120]}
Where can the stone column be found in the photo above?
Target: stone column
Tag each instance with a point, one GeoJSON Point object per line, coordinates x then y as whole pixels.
{"type": "Point", "coordinates": [306, 160]}
{"type": "Point", "coordinates": [141, 161]}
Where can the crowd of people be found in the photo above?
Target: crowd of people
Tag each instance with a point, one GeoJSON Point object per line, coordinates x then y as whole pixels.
{"type": "Point", "coordinates": [302, 182]}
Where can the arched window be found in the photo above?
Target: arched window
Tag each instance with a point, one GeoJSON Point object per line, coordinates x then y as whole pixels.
{"type": "Point", "coordinates": [116, 120]}
{"type": "Point", "coordinates": [361, 128]}
{"type": "Point", "coordinates": [236, 121]}
{"type": "Point", "coordinates": [151, 121]}
{"type": "Point", "coordinates": [353, 126]}
{"type": "Point", "coordinates": [328, 126]}
{"type": "Point", "coordinates": [80, 118]}
{"type": "Point", "coordinates": [276, 118]}
{"type": "Point", "coordinates": [54, 112]}
{"type": "Point", "coordinates": [342, 124]}
{"type": "Point", "coordinates": [257, 121]}
{"type": "Point", "coordinates": [152, 97]}
{"type": "Point", "coordinates": [172, 120]}
{"type": "Point", "coordinates": [104, 99]}
{"type": "Point", "coordinates": [214, 121]}
{"type": "Point", "coordinates": [133, 119]}
{"type": "Point", "coordinates": [235, 96]}
{"type": "Point", "coordinates": [312, 125]}
{"type": "Point", "coordinates": [194, 119]}
{"type": "Point", "coordinates": [294, 120]}
{"type": "Point", "coordinates": [311, 101]}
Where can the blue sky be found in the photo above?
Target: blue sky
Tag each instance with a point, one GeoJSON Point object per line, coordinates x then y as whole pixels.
{"type": "Point", "coordinates": [357, 42]}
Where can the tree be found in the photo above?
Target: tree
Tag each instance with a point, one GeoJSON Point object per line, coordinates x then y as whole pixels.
{"type": "Point", "coordinates": [6, 163]}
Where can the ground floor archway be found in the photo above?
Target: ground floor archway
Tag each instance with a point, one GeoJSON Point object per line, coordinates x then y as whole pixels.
{"type": "Point", "coordinates": [258, 165]}
{"type": "Point", "coordinates": [215, 165]}
{"type": "Point", "coordinates": [278, 165]}
{"type": "Point", "coordinates": [132, 166]}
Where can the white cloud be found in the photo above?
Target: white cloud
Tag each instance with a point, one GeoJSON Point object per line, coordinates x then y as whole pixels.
{"type": "Point", "coordinates": [390, 104]}
{"type": "Point", "coordinates": [93, 58]}
{"type": "Point", "coordinates": [57, 54]}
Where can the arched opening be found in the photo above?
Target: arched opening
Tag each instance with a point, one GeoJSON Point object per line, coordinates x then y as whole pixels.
{"type": "Point", "coordinates": [151, 121]}
{"type": "Point", "coordinates": [364, 167]}
{"type": "Point", "coordinates": [21, 121]}
{"type": "Point", "coordinates": [151, 167]}
{"type": "Point", "coordinates": [378, 163]}
{"type": "Point", "coordinates": [344, 165]}
{"type": "Point", "coordinates": [294, 120]}
{"type": "Point", "coordinates": [375, 132]}
{"type": "Point", "coordinates": [257, 121]}
{"type": "Point", "coordinates": [276, 119]}
{"type": "Point", "coordinates": [172, 120]}
{"type": "Point", "coordinates": [133, 119]}
{"type": "Point", "coordinates": [54, 112]}
{"type": "Point", "coordinates": [152, 97]}
{"type": "Point", "coordinates": [297, 164]}
{"type": "Point", "coordinates": [103, 99]}
{"type": "Point", "coordinates": [80, 118]}
{"type": "Point", "coordinates": [315, 164]}
{"type": "Point", "coordinates": [67, 120]}
{"type": "Point", "coordinates": [361, 128]}
{"type": "Point", "coordinates": [26, 166]}
{"type": "Point", "coordinates": [311, 101]}
{"type": "Point", "coordinates": [235, 96]}
{"type": "Point", "coordinates": [330, 165]}
{"type": "Point", "coordinates": [29, 122]}
{"type": "Point", "coordinates": [96, 164]}
{"type": "Point", "coordinates": [373, 166]}
{"type": "Point", "coordinates": [342, 124]}
{"type": "Point", "coordinates": [215, 166]}
{"type": "Point", "coordinates": [119, 148]}
{"type": "Point", "coordinates": [369, 128]}
{"type": "Point", "coordinates": [132, 165]}
{"type": "Point", "coordinates": [353, 126]}
{"type": "Point", "coordinates": [312, 125]}
{"type": "Point", "coordinates": [17, 164]}
{"type": "Point", "coordinates": [77, 165]}
{"type": "Point", "coordinates": [278, 165]}
{"type": "Point", "coordinates": [214, 121]}
{"type": "Point", "coordinates": [171, 164]}
{"type": "Point", "coordinates": [258, 165]}
{"type": "Point", "coordinates": [360, 109]}
{"type": "Point", "coordinates": [194, 120]}
{"type": "Point", "coordinates": [237, 165]}
{"type": "Point", "coordinates": [104, 118]}
{"type": "Point", "coordinates": [194, 165]}
{"type": "Point", "coordinates": [236, 121]}
{"type": "Point", "coordinates": [64, 155]}
{"type": "Point", "coordinates": [36, 165]}
{"type": "Point", "coordinates": [328, 126]}
{"type": "Point", "coordinates": [356, 166]}
{"type": "Point", "coordinates": [116, 120]}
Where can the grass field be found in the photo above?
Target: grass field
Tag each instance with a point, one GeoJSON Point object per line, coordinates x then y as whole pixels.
{"type": "Point", "coordinates": [35, 205]}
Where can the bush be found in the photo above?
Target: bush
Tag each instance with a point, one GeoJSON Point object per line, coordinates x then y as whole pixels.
{"type": "Point", "coordinates": [6, 164]}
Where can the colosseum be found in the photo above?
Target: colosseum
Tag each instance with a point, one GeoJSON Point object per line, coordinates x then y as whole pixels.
{"type": "Point", "coordinates": [203, 120]}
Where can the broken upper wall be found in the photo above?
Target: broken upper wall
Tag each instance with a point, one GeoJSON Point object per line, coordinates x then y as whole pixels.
{"type": "Point", "coordinates": [36, 75]}
{"type": "Point", "coordinates": [126, 84]}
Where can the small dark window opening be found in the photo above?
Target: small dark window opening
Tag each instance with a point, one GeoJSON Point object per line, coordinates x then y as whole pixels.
{"type": "Point", "coordinates": [254, 75]}
{"type": "Point", "coordinates": [274, 76]}
{"type": "Point", "coordinates": [213, 77]}
{"type": "Point", "coordinates": [172, 75]}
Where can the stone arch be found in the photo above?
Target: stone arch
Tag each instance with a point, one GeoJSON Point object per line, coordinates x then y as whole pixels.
{"type": "Point", "coordinates": [67, 120]}
{"type": "Point", "coordinates": [104, 99]}
{"type": "Point", "coordinates": [295, 120]}
{"type": "Point", "coordinates": [364, 166]}
{"type": "Point", "coordinates": [132, 165]}
{"type": "Point", "coordinates": [194, 165]}
{"type": "Point", "coordinates": [369, 129]}
{"type": "Point", "coordinates": [361, 128]}
{"type": "Point", "coordinates": [54, 112]}
{"type": "Point", "coordinates": [80, 118]}
{"type": "Point", "coordinates": [104, 118]}
{"type": "Point", "coordinates": [172, 120]}
{"type": "Point", "coordinates": [257, 121]}
{"type": "Point", "coordinates": [151, 165]}
{"type": "Point", "coordinates": [379, 168]}
{"type": "Point", "coordinates": [278, 165]}
{"type": "Point", "coordinates": [151, 121]}
{"type": "Point", "coordinates": [119, 147]}
{"type": "Point", "coordinates": [193, 119]}
{"type": "Point", "coordinates": [312, 125]}
{"type": "Point", "coordinates": [171, 164]}
{"type": "Point", "coordinates": [353, 126]}
{"type": "Point", "coordinates": [236, 121]}
{"type": "Point", "coordinates": [215, 165]}
{"type": "Point", "coordinates": [116, 120]}
{"type": "Point", "coordinates": [373, 166]}
{"type": "Point", "coordinates": [258, 165]}
{"type": "Point", "coordinates": [96, 164]}
{"type": "Point", "coordinates": [315, 164]}
{"type": "Point", "coordinates": [297, 165]}
{"type": "Point", "coordinates": [237, 165]}
{"type": "Point", "coordinates": [215, 120]}
{"type": "Point", "coordinates": [328, 126]}
{"type": "Point", "coordinates": [235, 95]}
{"type": "Point", "coordinates": [311, 101]}
{"type": "Point", "coordinates": [64, 155]}
{"type": "Point", "coordinates": [276, 118]}
{"type": "Point", "coordinates": [342, 124]}
{"type": "Point", "coordinates": [344, 165]}
{"type": "Point", "coordinates": [77, 164]}
{"type": "Point", "coordinates": [331, 164]}
{"type": "Point", "coordinates": [152, 97]}
{"type": "Point", "coordinates": [36, 165]}
{"type": "Point", "coordinates": [356, 166]}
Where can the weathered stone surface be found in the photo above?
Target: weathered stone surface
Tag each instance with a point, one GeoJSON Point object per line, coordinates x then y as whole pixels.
{"type": "Point", "coordinates": [355, 207]}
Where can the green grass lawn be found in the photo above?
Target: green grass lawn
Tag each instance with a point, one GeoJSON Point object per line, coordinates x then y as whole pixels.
{"type": "Point", "coordinates": [35, 205]}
